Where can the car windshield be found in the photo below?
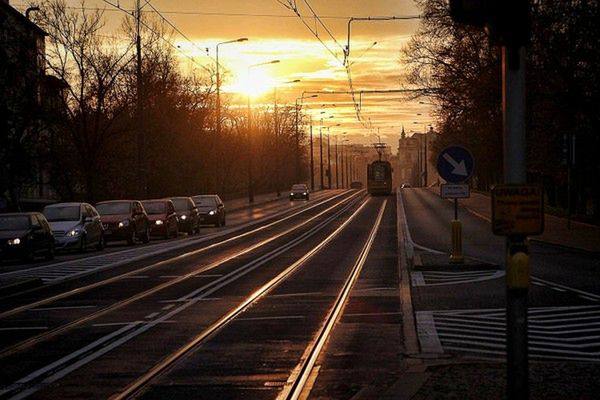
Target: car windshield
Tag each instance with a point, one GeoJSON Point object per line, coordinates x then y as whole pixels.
{"type": "Point", "coordinates": [14, 222]}
{"type": "Point", "coordinates": [62, 213]}
{"type": "Point", "coordinates": [155, 207]}
{"type": "Point", "coordinates": [205, 201]}
{"type": "Point", "coordinates": [180, 204]}
{"type": "Point", "coordinates": [299, 187]}
{"type": "Point", "coordinates": [113, 208]}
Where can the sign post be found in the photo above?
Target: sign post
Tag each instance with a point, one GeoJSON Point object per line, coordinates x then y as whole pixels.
{"type": "Point", "coordinates": [455, 165]}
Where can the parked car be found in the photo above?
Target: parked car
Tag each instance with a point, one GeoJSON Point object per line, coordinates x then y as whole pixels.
{"type": "Point", "coordinates": [211, 209]}
{"type": "Point", "coordinates": [162, 217]}
{"type": "Point", "coordinates": [124, 220]}
{"type": "Point", "coordinates": [405, 186]}
{"type": "Point", "coordinates": [187, 214]}
{"type": "Point", "coordinates": [356, 185]}
{"type": "Point", "coordinates": [25, 235]}
{"type": "Point", "coordinates": [299, 191]}
{"type": "Point", "coordinates": [75, 226]}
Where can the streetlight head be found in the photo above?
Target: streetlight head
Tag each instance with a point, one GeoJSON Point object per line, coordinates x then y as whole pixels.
{"type": "Point", "coordinates": [244, 39]}
{"type": "Point", "coordinates": [274, 62]}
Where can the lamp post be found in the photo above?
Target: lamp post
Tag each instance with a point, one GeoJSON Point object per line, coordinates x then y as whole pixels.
{"type": "Point", "coordinates": [344, 163]}
{"type": "Point", "coordinates": [218, 108]}
{"type": "Point", "coordinates": [329, 157]}
{"type": "Point", "coordinates": [321, 149]}
{"type": "Point", "coordinates": [297, 163]}
{"type": "Point", "coordinates": [276, 126]}
{"type": "Point", "coordinates": [249, 138]}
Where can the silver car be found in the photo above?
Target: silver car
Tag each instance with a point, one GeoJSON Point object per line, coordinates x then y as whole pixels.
{"type": "Point", "coordinates": [75, 226]}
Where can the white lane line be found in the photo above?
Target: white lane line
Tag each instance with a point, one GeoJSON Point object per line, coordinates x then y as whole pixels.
{"type": "Point", "coordinates": [272, 318]}
{"type": "Point", "coordinates": [168, 307]}
{"type": "Point", "coordinates": [588, 298]}
{"type": "Point", "coordinates": [538, 283]}
{"type": "Point", "coordinates": [301, 294]}
{"type": "Point", "coordinates": [150, 316]}
{"type": "Point", "coordinates": [109, 324]}
{"type": "Point", "coordinates": [372, 314]}
{"type": "Point", "coordinates": [169, 276]}
{"type": "Point", "coordinates": [568, 288]}
{"type": "Point", "coordinates": [428, 337]}
{"type": "Point", "coordinates": [208, 276]}
{"type": "Point", "coordinates": [60, 308]}
{"type": "Point", "coordinates": [24, 328]}
{"type": "Point", "coordinates": [136, 277]}
{"type": "Point", "coordinates": [417, 279]}
{"type": "Point", "coordinates": [557, 289]}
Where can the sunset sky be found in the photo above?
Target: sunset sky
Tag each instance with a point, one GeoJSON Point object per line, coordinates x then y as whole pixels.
{"type": "Point", "coordinates": [276, 33]}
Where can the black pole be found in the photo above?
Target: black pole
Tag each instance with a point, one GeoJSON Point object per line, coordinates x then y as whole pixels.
{"type": "Point", "coordinates": [312, 160]}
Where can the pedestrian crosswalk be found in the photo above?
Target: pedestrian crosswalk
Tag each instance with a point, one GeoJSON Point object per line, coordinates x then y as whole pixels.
{"type": "Point", "coordinates": [555, 333]}
{"type": "Point", "coordinates": [437, 278]}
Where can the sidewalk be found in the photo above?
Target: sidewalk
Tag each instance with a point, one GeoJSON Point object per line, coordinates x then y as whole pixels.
{"type": "Point", "coordinates": [581, 236]}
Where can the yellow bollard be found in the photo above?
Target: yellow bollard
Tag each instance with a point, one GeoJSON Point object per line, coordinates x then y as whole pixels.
{"type": "Point", "coordinates": [517, 270]}
{"type": "Point", "coordinates": [456, 257]}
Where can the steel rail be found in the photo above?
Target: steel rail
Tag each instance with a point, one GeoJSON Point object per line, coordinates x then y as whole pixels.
{"type": "Point", "coordinates": [70, 325]}
{"type": "Point", "coordinates": [179, 257]}
{"type": "Point", "coordinates": [137, 386]}
{"type": "Point", "coordinates": [302, 372]}
{"type": "Point", "coordinates": [48, 374]}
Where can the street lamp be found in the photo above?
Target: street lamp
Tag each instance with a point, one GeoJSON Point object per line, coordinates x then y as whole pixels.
{"type": "Point", "coordinates": [301, 98]}
{"type": "Point", "coordinates": [218, 107]}
{"type": "Point", "coordinates": [344, 163]}
{"type": "Point", "coordinates": [321, 148]}
{"type": "Point", "coordinates": [250, 178]}
{"type": "Point", "coordinates": [276, 126]}
{"type": "Point", "coordinates": [329, 157]}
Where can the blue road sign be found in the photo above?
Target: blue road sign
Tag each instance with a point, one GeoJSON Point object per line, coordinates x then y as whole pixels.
{"type": "Point", "coordinates": [455, 164]}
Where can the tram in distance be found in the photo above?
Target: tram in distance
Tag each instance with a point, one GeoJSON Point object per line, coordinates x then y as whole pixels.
{"type": "Point", "coordinates": [379, 178]}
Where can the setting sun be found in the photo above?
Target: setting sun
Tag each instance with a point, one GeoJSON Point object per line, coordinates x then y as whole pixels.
{"type": "Point", "coordinates": [254, 82]}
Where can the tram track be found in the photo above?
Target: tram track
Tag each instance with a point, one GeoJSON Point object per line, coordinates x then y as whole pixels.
{"type": "Point", "coordinates": [54, 371]}
{"type": "Point", "coordinates": [23, 345]}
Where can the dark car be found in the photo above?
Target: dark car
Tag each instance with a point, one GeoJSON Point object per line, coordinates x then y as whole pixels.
{"type": "Point", "coordinates": [356, 185]}
{"type": "Point", "coordinates": [299, 191]}
{"type": "Point", "coordinates": [124, 220]}
{"type": "Point", "coordinates": [187, 214]}
{"type": "Point", "coordinates": [25, 235]}
{"type": "Point", "coordinates": [210, 209]}
{"type": "Point", "coordinates": [162, 217]}
{"type": "Point", "coordinates": [75, 226]}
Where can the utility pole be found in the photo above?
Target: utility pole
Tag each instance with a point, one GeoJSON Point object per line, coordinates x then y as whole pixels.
{"type": "Point", "coordinates": [321, 152]}
{"type": "Point", "coordinates": [141, 140]}
{"type": "Point", "coordinates": [328, 160]}
{"type": "Point", "coordinates": [312, 160]}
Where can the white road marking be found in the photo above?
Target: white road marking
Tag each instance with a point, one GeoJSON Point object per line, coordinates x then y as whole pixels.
{"type": "Point", "coordinates": [60, 308]}
{"type": "Point", "coordinates": [168, 307]}
{"type": "Point", "coordinates": [588, 298]}
{"type": "Point", "coordinates": [150, 316]}
{"type": "Point", "coordinates": [372, 314]}
{"type": "Point", "coordinates": [136, 277]}
{"type": "Point", "coordinates": [271, 318]}
{"type": "Point", "coordinates": [24, 328]}
{"type": "Point", "coordinates": [428, 337]}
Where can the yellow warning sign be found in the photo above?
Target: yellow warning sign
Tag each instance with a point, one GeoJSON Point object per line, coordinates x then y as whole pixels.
{"type": "Point", "coordinates": [517, 210]}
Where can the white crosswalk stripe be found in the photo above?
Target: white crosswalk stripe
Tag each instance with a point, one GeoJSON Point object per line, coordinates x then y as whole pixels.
{"type": "Point", "coordinates": [438, 278]}
{"type": "Point", "coordinates": [555, 333]}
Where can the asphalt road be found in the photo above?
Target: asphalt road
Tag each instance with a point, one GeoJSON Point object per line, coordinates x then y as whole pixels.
{"type": "Point", "coordinates": [462, 308]}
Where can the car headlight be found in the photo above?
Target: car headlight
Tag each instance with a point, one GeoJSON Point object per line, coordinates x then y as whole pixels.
{"type": "Point", "coordinates": [212, 212]}
{"type": "Point", "coordinates": [183, 217]}
{"type": "Point", "coordinates": [158, 222]}
{"type": "Point", "coordinates": [73, 233]}
{"type": "Point", "coordinates": [304, 194]}
{"type": "Point", "coordinates": [124, 223]}
{"type": "Point", "coordinates": [14, 242]}
{"type": "Point", "coordinates": [291, 193]}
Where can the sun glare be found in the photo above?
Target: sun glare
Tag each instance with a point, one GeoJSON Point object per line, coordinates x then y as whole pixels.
{"type": "Point", "coordinates": [254, 83]}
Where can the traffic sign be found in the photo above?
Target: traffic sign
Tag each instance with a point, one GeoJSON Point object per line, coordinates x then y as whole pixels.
{"type": "Point", "coordinates": [454, 191]}
{"type": "Point", "coordinates": [517, 210]}
{"type": "Point", "coordinates": [455, 164]}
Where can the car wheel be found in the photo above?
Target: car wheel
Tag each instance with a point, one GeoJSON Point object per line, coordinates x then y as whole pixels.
{"type": "Point", "coordinates": [82, 244]}
{"type": "Point", "coordinates": [176, 231]}
{"type": "Point", "coordinates": [146, 237]}
{"type": "Point", "coordinates": [50, 252]}
{"type": "Point", "coordinates": [101, 244]}
{"type": "Point", "coordinates": [218, 222]}
{"type": "Point", "coordinates": [131, 238]}
{"type": "Point", "coordinates": [223, 222]}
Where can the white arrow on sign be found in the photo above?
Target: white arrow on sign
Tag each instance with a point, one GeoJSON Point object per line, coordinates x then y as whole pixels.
{"type": "Point", "coordinates": [459, 167]}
